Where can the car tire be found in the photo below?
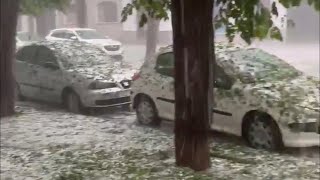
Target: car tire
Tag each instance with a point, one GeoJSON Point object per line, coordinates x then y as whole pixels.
{"type": "Point", "coordinates": [146, 111]}
{"type": "Point", "coordinates": [263, 133]}
{"type": "Point", "coordinates": [73, 102]}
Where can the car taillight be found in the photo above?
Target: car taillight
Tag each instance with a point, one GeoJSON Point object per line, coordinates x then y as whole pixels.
{"type": "Point", "coordinates": [136, 76]}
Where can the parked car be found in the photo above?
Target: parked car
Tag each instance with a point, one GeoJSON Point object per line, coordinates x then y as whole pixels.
{"type": "Point", "coordinates": [111, 47]}
{"type": "Point", "coordinates": [25, 38]}
{"type": "Point", "coordinates": [74, 73]}
{"type": "Point", "coordinates": [257, 96]}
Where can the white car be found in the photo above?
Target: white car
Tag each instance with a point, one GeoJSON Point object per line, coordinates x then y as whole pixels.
{"type": "Point", "coordinates": [257, 96]}
{"type": "Point", "coordinates": [76, 74]}
{"type": "Point", "coordinates": [111, 47]}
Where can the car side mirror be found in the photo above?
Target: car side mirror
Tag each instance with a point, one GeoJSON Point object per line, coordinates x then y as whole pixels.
{"type": "Point", "coordinates": [51, 66]}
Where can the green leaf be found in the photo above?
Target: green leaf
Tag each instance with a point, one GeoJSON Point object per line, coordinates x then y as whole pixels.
{"type": "Point", "coordinates": [143, 20]}
{"type": "Point", "coordinates": [275, 33]}
{"type": "Point", "coordinates": [274, 9]}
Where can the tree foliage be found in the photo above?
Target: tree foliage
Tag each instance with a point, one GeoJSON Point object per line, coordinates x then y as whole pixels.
{"type": "Point", "coordinates": [156, 9]}
{"type": "Point", "coordinates": [36, 7]}
{"type": "Point", "coordinates": [249, 18]}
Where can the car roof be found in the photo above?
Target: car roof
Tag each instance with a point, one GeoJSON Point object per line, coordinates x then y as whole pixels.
{"type": "Point", "coordinates": [72, 29]}
{"type": "Point", "coordinates": [219, 47]}
{"type": "Point", "coordinates": [64, 46]}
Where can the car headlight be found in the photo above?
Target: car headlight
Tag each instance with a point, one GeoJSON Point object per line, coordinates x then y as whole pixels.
{"type": "Point", "coordinates": [102, 85]}
{"type": "Point", "coordinates": [304, 127]}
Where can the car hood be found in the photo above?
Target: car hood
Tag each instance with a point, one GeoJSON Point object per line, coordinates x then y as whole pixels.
{"type": "Point", "coordinates": [102, 42]}
{"type": "Point", "coordinates": [302, 91]}
{"type": "Point", "coordinates": [293, 101]}
{"type": "Point", "coordinates": [106, 72]}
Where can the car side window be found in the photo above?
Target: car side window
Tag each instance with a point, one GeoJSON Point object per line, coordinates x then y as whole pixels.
{"type": "Point", "coordinates": [165, 64]}
{"type": "Point", "coordinates": [221, 79]}
{"type": "Point", "coordinates": [26, 53]}
{"type": "Point", "coordinates": [68, 35]}
{"type": "Point", "coordinates": [58, 34]}
{"type": "Point", "coordinates": [46, 58]}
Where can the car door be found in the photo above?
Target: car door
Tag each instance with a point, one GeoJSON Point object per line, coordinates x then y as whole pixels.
{"type": "Point", "coordinates": [165, 85]}
{"type": "Point", "coordinates": [50, 75]}
{"type": "Point", "coordinates": [223, 107]}
{"type": "Point", "coordinates": [24, 72]}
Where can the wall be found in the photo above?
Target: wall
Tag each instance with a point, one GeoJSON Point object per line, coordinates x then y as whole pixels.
{"type": "Point", "coordinates": [306, 21]}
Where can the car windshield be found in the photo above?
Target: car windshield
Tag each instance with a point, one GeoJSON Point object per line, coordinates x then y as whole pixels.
{"type": "Point", "coordinates": [24, 36]}
{"type": "Point", "coordinates": [90, 34]}
{"type": "Point", "coordinates": [84, 56]}
{"type": "Point", "coordinates": [263, 66]}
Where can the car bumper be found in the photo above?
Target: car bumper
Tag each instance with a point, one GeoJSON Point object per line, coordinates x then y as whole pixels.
{"type": "Point", "coordinates": [300, 139]}
{"type": "Point", "coordinates": [107, 98]}
{"type": "Point", "coordinates": [115, 53]}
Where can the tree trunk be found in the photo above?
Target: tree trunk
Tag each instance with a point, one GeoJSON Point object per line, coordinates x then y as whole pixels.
{"type": "Point", "coordinates": [19, 24]}
{"type": "Point", "coordinates": [9, 17]}
{"type": "Point", "coordinates": [140, 30]}
{"type": "Point", "coordinates": [46, 22]}
{"type": "Point", "coordinates": [31, 24]}
{"type": "Point", "coordinates": [82, 13]}
{"type": "Point", "coordinates": [193, 45]}
{"type": "Point", "coordinates": [152, 37]}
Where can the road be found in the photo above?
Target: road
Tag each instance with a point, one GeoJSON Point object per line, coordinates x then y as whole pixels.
{"type": "Point", "coordinates": [45, 142]}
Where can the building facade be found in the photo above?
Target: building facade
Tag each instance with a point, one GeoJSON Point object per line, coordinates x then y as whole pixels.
{"type": "Point", "coordinates": [105, 16]}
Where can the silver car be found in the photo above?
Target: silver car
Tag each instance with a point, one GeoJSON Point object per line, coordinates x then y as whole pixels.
{"type": "Point", "coordinates": [76, 74]}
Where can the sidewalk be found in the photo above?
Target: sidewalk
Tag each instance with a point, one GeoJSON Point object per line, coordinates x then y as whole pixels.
{"type": "Point", "coordinates": [48, 143]}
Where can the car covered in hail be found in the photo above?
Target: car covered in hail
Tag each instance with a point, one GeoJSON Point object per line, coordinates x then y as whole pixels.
{"type": "Point", "coordinates": [256, 95]}
{"type": "Point", "coordinates": [74, 73]}
{"type": "Point", "coordinates": [111, 47]}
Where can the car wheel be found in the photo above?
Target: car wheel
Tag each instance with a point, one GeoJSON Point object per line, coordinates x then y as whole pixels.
{"type": "Point", "coordinates": [73, 103]}
{"type": "Point", "coordinates": [147, 113]}
{"type": "Point", "coordinates": [263, 133]}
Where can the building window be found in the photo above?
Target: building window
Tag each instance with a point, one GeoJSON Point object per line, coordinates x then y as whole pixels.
{"type": "Point", "coordinates": [107, 12]}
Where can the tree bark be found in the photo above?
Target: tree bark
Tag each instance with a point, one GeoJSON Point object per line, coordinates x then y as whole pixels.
{"type": "Point", "coordinates": [46, 22]}
{"type": "Point", "coordinates": [193, 45]}
{"type": "Point", "coordinates": [82, 13]}
{"type": "Point", "coordinates": [31, 24]}
{"type": "Point", "coordinates": [152, 37]}
{"type": "Point", "coordinates": [140, 30]}
{"type": "Point", "coordinates": [9, 18]}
